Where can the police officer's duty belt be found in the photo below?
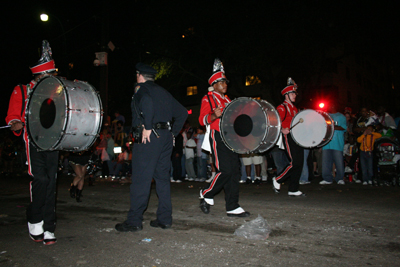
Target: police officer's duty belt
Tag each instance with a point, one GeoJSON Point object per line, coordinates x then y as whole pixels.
{"type": "Point", "coordinates": [162, 125]}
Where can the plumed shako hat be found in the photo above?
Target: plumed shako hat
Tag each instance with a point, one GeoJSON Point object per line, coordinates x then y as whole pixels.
{"type": "Point", "coordinates": [46, 63]}
{"type": "Point", "coordinates": [218, 72]}
{"type": "Point", "coordinates": [290, 88]}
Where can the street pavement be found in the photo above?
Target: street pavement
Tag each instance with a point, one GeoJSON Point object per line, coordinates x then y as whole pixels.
{"type": "Point", "coordinates": [335, 225]}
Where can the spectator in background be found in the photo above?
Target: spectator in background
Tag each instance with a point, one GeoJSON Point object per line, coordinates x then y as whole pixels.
{"type": "Point", "coordinates": [333, 151]}
{"type": "Point", "coordinates": [176, 157]}
{"type": "Point", "coordinates": [386, 124]}
{"type": "Point", "coordinates": [256, 160]}
{"type": "Point", "coordinates": [119, 135]}
{"type": "Point", "coordinates": [367, 140]}
{"type": "Point", "coordinates": [201, 156]}
{"type": "Point", "coordinates": [119, 117]}
{"type": "Point", "coordinates": [304, 174]}
{"type": "Point", "coordinates": [189, 154]}
{"type": "Point", "coordinates": [186, 128]}
{"type": "Point", "coordinates": [119, 164]}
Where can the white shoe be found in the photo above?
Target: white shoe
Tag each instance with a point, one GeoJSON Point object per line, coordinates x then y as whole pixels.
{"type": "Point", "coordinates": [173, 181]}
{"type": "Point", "coordinates": [365, 183]}
{"type": "Point", "coordinates": [202, 180]}
{"type": "Point", "coordinates": [36, 231]}
{"type": "Point", "coordinates": [341, 182]}
{"type": "Point", "coordinates": [242, 181]}
{"type": "Point", "coordinates": [370, 182]}
{"type": "Point", "coordinates": [348, 169]}
{"type": "Point", "coordinates": [304, 182]}
{"type": "Point", "coordinates": [49, 238]}
{"type": "Point", "coordinates": [178, 181]}
{"type": "Point", "coordinates": [264, 178]}
{"type": "Point", "coordinates": [358, 181]}
{"type": "Point", "coordinates": [190, 179]}
{"type": "Point", "coordinates": [325, 182]}
{"type": "Point", "coordinates": [196, 179]}
{"type": "Point", "coordinates": [296, 194]}
{"type": "Point", "coordinates": [276, 186]}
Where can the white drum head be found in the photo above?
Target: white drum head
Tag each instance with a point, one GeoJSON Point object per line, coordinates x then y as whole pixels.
{"type": "Point", "coordinates": [312, 131]}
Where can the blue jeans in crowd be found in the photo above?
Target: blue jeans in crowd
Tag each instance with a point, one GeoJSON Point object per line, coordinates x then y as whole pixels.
{"type": "Point", "coordinates": [202, 167]}
{"type": "Point", "coordinates": [280, 159]}
{"type": "Point", "coordinates": [330, 156]}
{"type": "Point", "coordinates": [304, 173]}
{"type": "Point", "coordinates": [366, 160]}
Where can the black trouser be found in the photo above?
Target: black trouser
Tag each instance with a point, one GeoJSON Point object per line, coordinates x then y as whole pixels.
{"type": "Point", "coordinates": [228, 173]}
{"type": "Point", "coordinates": [151, 160]}
{"type": "Point", "coordinates": [177, 166]}
{"type": "Point", "coordinates": [293, 171]}
{"type": "Point", "coordinates": [44, 166]}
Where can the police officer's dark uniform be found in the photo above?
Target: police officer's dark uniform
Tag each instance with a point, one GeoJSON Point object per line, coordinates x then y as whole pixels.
{"type": "Point", "coordinates": [155, 108]}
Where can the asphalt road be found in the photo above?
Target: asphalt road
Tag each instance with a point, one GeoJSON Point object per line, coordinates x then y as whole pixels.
{"type": "Point", "coordinates": [335, 225]}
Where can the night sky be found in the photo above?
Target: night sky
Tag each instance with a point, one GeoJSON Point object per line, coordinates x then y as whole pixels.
{"type": "Point", "coordinates": [249, 36]}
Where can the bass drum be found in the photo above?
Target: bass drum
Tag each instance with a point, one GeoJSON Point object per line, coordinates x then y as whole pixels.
{"type": "Point", "coordinates": [63, 115]}
{"type": "Point", "coordinates": [310, 128]}
{"type": "Point", "coordinates": [248, 125]}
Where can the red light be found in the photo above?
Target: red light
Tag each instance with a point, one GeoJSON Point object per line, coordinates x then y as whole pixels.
{"type": "Point", "coordinates": [321, 105]}
{"type": "Point", "coordinates": [189, 111]}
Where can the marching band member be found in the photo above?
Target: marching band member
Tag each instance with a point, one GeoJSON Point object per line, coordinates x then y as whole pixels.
{"type": "Point", "coordinates": [42, 165]}
{"type": "Point", "coordinates": [226, 161]}
{"type": "Point", "coordinates": [287, 110]}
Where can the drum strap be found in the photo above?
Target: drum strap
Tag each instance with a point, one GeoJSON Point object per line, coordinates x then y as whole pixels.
{"type": "Point", "coordinates": [23, 99]}
{"type": "Point", "coordinates": [209, 101]}
{"type": "Point", "coordinates": [285, 111]}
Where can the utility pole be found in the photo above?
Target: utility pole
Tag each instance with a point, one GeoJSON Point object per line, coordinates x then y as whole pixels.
{"type": "Point", "coordinates": [104, 67]}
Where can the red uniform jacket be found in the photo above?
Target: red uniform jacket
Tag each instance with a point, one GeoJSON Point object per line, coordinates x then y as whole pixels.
{"type": "Point", "coordinates": [287, 111]}
{"type": "Point", "coordinates": [206, 110]}
{"type": "Point", "coordinates": [14, 114]}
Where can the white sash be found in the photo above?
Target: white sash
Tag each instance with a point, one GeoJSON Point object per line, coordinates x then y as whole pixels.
{"type": "Point", "coordinates": [206, 141]}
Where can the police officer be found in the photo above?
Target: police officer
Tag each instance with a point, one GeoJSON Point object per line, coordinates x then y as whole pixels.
{"type": "Point", "coordinates": [287, 110]}
{"type": "Point", "coordinates": [153, 109]}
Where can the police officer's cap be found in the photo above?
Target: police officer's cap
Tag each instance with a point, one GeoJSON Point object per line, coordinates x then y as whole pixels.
{"type": "Point", "coordinates": [142, 68]}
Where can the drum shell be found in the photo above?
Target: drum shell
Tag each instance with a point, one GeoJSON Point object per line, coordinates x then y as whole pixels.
{"type": "Point", "coordinates": [264, 120]}
{"type": "Point", "coordinates": [77, 119]}
{"type": "Point", "coordinates": [316, 130]}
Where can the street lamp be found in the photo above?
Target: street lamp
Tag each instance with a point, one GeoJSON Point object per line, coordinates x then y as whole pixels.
{"type": "Point", "coordinates": [44, 17]}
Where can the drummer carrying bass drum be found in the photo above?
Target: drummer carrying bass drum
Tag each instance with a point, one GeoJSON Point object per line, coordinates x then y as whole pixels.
{"type": "Point", "coordinates": [226, 161]}
{"type": "Point", "coordinates": [42, 165]}
{"type": "Point", "coordinates": [295, 153]}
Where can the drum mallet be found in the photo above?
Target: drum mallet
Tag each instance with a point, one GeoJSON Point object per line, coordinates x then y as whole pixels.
{"type": "Point", "coordinates": [4, 127]}
{"type": "Point", "coordinates": [300, 121]}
